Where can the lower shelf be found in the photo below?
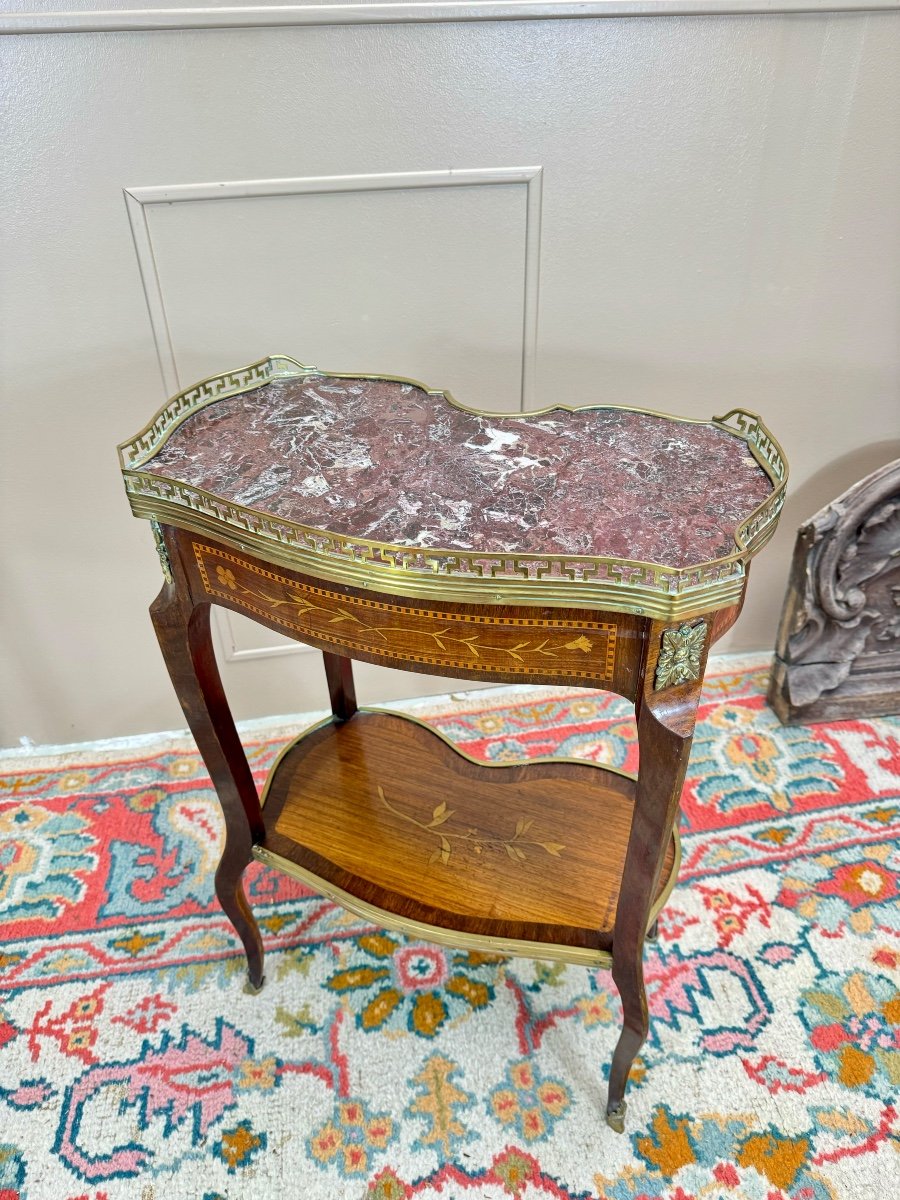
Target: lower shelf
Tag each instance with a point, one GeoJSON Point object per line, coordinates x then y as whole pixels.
{"type": "Point", "coordinates": [386, 817]}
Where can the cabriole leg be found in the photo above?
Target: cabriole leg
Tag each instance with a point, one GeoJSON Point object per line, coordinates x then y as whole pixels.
{"type": "Point", "coordinates": [183, 631]}
{"type": "Point", "coordinates": [665, 721]}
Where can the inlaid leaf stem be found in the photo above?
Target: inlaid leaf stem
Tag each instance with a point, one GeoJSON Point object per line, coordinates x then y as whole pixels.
{"type": "Point", "coordinates": [478, 841]}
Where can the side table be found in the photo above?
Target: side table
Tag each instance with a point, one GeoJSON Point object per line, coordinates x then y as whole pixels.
{"type": "Point", "coordinates": [375, 519]}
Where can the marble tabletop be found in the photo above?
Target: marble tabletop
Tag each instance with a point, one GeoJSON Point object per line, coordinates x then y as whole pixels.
{"type": "Point", "coordinates": [389, 462]}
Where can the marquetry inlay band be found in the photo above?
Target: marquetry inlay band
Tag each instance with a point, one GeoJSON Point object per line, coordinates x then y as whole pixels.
{"type": "Point", "coordinates": [577, 649]}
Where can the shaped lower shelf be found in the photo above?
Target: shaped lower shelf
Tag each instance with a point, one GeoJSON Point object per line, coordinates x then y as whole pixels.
{"type": "Point", "coordinates": [385, 816]}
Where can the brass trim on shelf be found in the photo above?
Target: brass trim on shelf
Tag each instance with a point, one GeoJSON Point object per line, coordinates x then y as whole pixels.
{"type": "Point", "coordinates": [410, 927]}
{"type": "Point", "coordinates": [465, 576]}
{"type": "Point", "coordinates": [454, 940]}
{"type": "Point", "coordinates": [144, 445]}
{"type": "Point", "coordinates": [285, 750]}
{"type": "Point", "coordinates": [659, 904]}
{"type": "Point", "coordinates": [404, 716]}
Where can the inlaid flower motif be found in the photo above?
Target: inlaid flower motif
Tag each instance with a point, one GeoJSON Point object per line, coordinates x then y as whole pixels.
{"type": "Point", "coordinates": [447, 836]}
{"type": "Point", "coordinates": [854, 1028]}
{"type": "Point", "coordinates": [353, 1137]}
{"type": "Point", "coordinates": [414, 984]}
{"type": "Point", "coordinates": [584, 644]}
{"type": "Point", "coordinates": [226, 578]}
{"type": "Point", "coordinates": [531, 1103]}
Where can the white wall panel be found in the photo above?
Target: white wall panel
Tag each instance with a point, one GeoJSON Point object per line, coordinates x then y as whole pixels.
{"type": "Point", "coordinates": [417, 272]}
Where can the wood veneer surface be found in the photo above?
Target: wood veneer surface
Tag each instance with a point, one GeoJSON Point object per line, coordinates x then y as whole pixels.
{"type": "Point", "coordinates": [386, 810]}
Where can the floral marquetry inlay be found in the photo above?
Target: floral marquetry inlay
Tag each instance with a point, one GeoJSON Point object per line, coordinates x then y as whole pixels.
{"type": "Point", "coordinates": [515, 846]}
{"type": "Point", "coordinates": [679, 658]}
{"type": "Point", "coordinates": [577, 649]}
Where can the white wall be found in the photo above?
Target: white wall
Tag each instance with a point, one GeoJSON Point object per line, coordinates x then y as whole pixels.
{"type": "Point", "coordinates": [714, 222]}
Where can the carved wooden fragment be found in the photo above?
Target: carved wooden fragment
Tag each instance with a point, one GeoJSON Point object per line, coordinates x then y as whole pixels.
{"type": "Point", "coordinates": [838, 649]}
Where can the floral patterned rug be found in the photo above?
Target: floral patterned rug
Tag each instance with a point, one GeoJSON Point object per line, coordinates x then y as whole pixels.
{"type": "Point", "coordinates": [134, 1065]}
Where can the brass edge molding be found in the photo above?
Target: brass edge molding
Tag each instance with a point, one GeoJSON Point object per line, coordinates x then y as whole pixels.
{"type": "Point", "coordinates": [377, 710]}
{"type": "Point", "coordinates": [471, 588]}
{"type": "Point", "coordinates": [660, 902]}
{"type": "Point", "coordinates": [363, 562]}
{"type": "Point", "coordinates": [554, 592]}
{"type": "Point", "coordinates": [514, 947]}
{"type": "Point", "coordinates": [434, 933]}
{"type": "Point", "coordinates": [286, 749]}
{"type": "Point", "coordinates": [145, 444]}
{"type": "Point", "coordinates": [756, 529]}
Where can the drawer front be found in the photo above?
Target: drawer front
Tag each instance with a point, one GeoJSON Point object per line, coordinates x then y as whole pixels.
{"type": "Point", "coordinates": [467, 640]}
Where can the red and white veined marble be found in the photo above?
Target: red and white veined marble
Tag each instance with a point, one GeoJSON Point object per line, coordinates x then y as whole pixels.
{"type": "Point", "coordinates": [392, 463]}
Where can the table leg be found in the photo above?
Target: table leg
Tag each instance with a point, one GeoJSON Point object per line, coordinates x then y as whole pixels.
{"type": "Point", "coordinates": [182, 628]}
{"type": "Point", "coordinates": [665, 732]}
{"type": "Point", "coordinates": [339, 673]}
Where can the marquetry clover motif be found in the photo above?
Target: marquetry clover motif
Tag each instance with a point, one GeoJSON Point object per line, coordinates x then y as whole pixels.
{"type": "Point", "coordinates": [679, 658]}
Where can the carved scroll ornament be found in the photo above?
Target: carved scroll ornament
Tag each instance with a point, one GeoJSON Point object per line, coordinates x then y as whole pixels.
{"type": "Point", "coordinates": [838, 649]}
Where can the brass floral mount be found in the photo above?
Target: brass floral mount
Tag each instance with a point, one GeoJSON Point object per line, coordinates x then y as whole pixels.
{"type": "Point", "coordinates": [162, 551]}
{"type": "Point", "coordinates": [478, 841]}
{"type": "Point", "coordinates": [679, 658]}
